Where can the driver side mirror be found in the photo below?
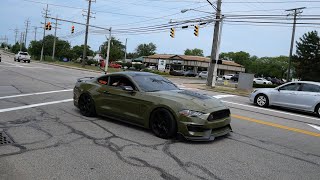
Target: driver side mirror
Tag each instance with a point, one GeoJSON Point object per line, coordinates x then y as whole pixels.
{"type": "Point", "coordinates": [127, 88]}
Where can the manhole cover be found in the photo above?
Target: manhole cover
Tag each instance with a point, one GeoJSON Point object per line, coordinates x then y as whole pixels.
{"type": "Point", "coordinates": [5, 139]}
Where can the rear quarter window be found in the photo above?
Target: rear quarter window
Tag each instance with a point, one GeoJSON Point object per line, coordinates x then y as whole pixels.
{"type": "Point", "coordinates": [310, 88]}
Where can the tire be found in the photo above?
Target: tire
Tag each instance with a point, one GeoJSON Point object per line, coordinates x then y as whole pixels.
{"type": "Point", "coordinates": [254, 82]}
{"type": "Point", "coordinates": [163, 124]}
{"type": "Point", "coordinates": [317, 110]}
{"type": "Point", "coordinates": [86, 105]}
{"type": "Point", "coordinates": [14, 59]}
{"type": "Point", "coordinates": [261, 100]}
{"type": "Point", "coordinates": [18, 60]}
{"type": "Point", "coordinates": [264, 83]}
{"type": "Point", "coordinates": [223, 78]}
{"type": "Point", "coordinates": [29, 61]}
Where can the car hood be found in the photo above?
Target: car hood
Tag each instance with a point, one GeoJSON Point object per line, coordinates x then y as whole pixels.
{"type": "Point", "coordinates": [190, 100]}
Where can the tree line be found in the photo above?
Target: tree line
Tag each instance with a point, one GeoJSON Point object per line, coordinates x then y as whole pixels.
{"type": "Point", "coordinates": [305, 62]}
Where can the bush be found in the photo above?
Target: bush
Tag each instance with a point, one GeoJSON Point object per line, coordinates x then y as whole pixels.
{"type": "Point", "coordinates": [90, 61]}
{"type": "Point", "coordinates": [264, 85]}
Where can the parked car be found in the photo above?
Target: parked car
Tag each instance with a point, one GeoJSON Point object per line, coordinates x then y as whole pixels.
{"type": "Point", "coordinates": [22, 56]}
{"type": "Point", "coordinates": [235, 78]}
{"type": "Point", "coordinates": [227, 76]}
{"type": "Point", "coordinates": [153, 102]}
{"type": "Point", "coordinates": [261, 81]}
{"type": "Point", "coordinates": [115, 65]}
{"type": "Point", "coordinates": [190, 73]}
{"type": "Point", "coordinates": [0, 57]}
{"type": "Point", "coordinates": [300, 95]}
{"type": "Point", "coordinates": [176, 73]}
{"type": "Point", "coordinates": [203, 74]}
{"type": "Point", "coordinates": [276, 81]}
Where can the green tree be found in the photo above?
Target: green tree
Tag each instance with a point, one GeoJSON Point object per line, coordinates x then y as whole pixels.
{"type": "Point", "coordinates": [240, 57]}
{"type": "Point", "coordinates": [307, 59]}
{"type": "Point", "coordinates": [16, 48]}
{"type": "Point", "coordinates": [63, 48]}
{"type": "Point", "coordinates": [146, 49]}
{"type": "Point", "coordinates": [77, 51]}
{"type": "Point", "coordinates": [117, 49]}
{"type": "Point", "coordinates": [132, 55]}
{"type": "Point", "coordinates": [194, 52]}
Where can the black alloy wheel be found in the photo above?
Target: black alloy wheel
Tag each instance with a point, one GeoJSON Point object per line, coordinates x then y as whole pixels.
{"type": "Point", "coordinates": [163, 124]}
{"type": "Point", "coordinates": [86, 105]}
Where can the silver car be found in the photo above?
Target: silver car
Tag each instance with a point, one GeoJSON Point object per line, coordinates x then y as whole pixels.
{"type": "Point", "coordinates": [300, 95]}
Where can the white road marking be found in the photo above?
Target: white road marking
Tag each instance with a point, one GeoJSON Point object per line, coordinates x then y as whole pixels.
{"type": "Point", "coordinates": [34, 105]}
{"type": "Point", "coordinates": [314, 126]}
{"type": "Point", "coordinates": [223, 96]}
{"type": "Point", "coordinates": [14, 64]}
{"type": "Point", "coordinates": [31, 94]}
{"type": "Point", "coordinates": [271, 110]}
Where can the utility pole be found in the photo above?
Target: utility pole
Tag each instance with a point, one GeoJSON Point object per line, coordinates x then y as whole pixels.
{"type": "Point", "coordinates": [108, 53]}
{"type": "Point", "coordinates": [16, 31]}
{"type": "Point", "coordinates": [296, 11]}
{"type": "Point", "coordinates": [35, 33]}
{"type": "Point", "coordinates": [55, 38]}
{"type": "Point", "coordinates": [215, 48]}
{"type": "Point", "coordinates": [125, 52]}
{"type": "Point", "coordinates": [44, 31]}
{"type": "Point", "coordinates": [86, 35]}
{"type": "Point", "coordinates": [27, 28]}
{"type": "Point", "coordinates": [21, 40]}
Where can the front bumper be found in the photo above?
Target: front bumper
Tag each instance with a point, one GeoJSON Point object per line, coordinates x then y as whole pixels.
{"type": "Point", "coordinates": [203, 130]}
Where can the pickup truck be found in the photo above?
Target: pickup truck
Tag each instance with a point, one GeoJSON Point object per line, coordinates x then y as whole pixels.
{"type": "Point", "coordinates": [22, 56]}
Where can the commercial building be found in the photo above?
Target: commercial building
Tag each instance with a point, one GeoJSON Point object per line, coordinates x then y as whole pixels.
{"type": "Point", "coordinates": [165, 62]}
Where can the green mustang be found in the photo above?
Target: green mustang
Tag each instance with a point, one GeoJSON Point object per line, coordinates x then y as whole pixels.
{"type": "Point", "coordinates": [152, 101]}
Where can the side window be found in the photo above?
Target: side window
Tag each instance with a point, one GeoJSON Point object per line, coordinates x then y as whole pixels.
{"type": "Point", "coordinates": [310, 88]}
{"type": "Point", "coordinates": [120, 81]}
{"type": "Point", "coordinates": [291, 87]}
{"type": "Point", "coordinates": [103, 80]}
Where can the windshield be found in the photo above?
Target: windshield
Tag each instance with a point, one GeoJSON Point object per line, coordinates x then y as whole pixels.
{"type": "Point", "coordinates": [152, 83]}
{"type": "Point", "coordinates": [23, 53]}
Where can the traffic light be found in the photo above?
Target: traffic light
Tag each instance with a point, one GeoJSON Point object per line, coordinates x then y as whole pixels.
{"type": "Point", "coordinates": [196, 30]}
{"type": "Point", "coordinates": [72, 29]}
{"type": "Point", "coordinates": [172, 32]}
{"type": "Point", "coordinates": [49, 24]}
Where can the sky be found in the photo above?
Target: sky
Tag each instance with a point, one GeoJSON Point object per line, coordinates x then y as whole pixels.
{"type": "Point", "coordinates": [126, 15]}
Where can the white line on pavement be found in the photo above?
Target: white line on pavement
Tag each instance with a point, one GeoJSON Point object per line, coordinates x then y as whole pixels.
{"type": "Point", "coordinates": [34, 105]}
{"type": "Point", "coordinates": [314, 126]}
{"type": "Point", "coordinates": [223, 96]}
{"type": "Point", "coordinates": [265, 109]}
{"type": "Point", "coordinates": [31, 94]}
{"type": "Point", "coordinates": [16, 65]}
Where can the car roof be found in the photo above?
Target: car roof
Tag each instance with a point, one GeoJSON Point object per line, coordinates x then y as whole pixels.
{"type": "Point", "coordinates": [308, 82]}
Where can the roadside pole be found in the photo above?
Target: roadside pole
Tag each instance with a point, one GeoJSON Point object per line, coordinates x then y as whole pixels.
{"type": "Point", "coordinates": [44, 32]}
{"type": "Point", "coordinates": [215, 46]}
{"type": "Point", "coordinates": [108, 53]}
{"type": "Point", "coordinates": [55, 38]}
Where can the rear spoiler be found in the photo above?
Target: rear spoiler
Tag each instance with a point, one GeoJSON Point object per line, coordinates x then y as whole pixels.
{"type": "Point", "coordinates": [84, 79]}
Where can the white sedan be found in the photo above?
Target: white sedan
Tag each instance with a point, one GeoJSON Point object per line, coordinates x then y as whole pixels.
{"type": "Point", "coordinates": [300, 95]}
{"type": "Point", "coordinates": [227, 76]}
{"type": "Point", "coordinates": [261, 81]}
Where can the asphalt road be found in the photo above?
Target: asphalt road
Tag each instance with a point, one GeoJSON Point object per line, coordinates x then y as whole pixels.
{"type": "Point", "coordinates": [53, 141]}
